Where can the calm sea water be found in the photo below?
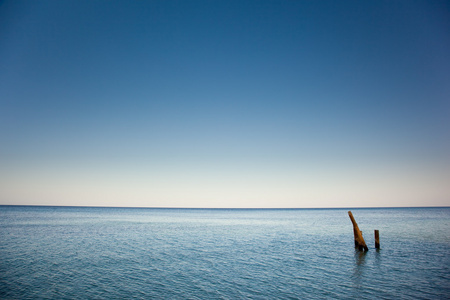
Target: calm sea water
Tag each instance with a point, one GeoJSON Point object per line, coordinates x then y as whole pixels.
{"type": "Point", "coordinates": [112, 253]}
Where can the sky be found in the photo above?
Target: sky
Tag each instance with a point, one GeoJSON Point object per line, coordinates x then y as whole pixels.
{"type": "Point", "coordinates": [222, 104]}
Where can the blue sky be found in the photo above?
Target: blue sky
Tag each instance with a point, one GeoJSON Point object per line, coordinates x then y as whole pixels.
{"type": "Point", "coordinates": [225, 103]}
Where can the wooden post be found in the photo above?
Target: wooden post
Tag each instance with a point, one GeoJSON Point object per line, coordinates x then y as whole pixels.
{"type": "Point", "coordinates": [359, 240]}
{"type": "Point", "coordinates": [355, 236]}
{"type": "Point", "coordinates": [377, 239]}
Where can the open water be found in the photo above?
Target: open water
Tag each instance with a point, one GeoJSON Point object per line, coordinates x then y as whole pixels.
{"type": "Point", "coordinates": [122, 253]}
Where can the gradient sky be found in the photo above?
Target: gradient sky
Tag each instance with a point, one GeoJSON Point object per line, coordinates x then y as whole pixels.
{"type": "Point", "coordinates": [225, 103]}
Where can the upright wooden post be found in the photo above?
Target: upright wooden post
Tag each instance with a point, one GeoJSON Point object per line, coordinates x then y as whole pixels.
{"type": "Point", "coordinates": [377, 239]}
{"type": "Point", "coordinates": [359, 240]}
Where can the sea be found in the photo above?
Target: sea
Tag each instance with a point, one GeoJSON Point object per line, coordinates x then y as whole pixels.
{"type": "Point", "coordinates": [164, 253]}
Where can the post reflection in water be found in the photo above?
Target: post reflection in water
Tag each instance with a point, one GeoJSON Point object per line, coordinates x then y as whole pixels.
{"type": "Point", "coordinates": [368, 267]}
{"type": "Point", "coordinates": [360, 266]}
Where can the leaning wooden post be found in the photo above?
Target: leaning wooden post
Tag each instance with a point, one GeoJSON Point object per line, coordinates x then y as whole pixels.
{"type": "Point", "coordinates": [377, 239]}
{"type": "Point", "coordinates": [359, 240]}
{"type": "Point", "coordinates": [355, 236]}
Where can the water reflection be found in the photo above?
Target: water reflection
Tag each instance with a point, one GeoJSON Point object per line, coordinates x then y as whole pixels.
{"type": "Point", "coordinates": [360, 266]}
{"type": "Point", "coordinates": [377, 255]}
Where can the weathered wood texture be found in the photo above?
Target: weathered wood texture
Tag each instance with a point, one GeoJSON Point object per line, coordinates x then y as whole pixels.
{"type": "Point", "coordinates": [377, 239]}
{"type": "Point", "coordinates": [359, 240]}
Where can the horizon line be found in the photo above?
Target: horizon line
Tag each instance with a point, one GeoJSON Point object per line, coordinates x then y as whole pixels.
{"type": "Point", "coordinates": [221, 208]}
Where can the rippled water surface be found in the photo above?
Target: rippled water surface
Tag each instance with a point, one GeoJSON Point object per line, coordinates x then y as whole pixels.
{"type": "Point", "coordinates": [104, 253]}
